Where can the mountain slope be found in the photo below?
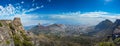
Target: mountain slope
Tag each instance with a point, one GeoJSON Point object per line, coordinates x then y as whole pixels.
{"type": "Point", "coordinates": [116, 27]}
{"type": "Point", "coordinates": [103, 29]}
{"type": "Point", "coordinates": [61, 29]}
{"type": "Point", "coordinates": [12, 33]}
{"type": "Point", "coordinates": [103, 25]}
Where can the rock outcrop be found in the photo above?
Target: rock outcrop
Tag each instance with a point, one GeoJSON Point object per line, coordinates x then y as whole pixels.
{"type": "Point", "coordinates": [18, 24]}
{"type": "Point", "coordinates": [116, 27]}
{"type": "Point", "coordinates": [12, 33]}
{"type": "Point", "coordinates": [103, 25]}
{"type": "Point", "coordinates": [102, 29]}
{"type": "Point", "coordinates": [106, 28]}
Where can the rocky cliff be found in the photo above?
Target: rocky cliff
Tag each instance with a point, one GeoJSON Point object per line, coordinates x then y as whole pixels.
{"type": "Point", "coordinates": [104, 28]}
{"type": "Point", "coordinates": [12, 33]}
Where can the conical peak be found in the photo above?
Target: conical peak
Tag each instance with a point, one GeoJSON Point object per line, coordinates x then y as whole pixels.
{"type": "Point", "coordinates": [117, 20]}
{"type": "Point", "coordinates": [16, 18]}
{"type": "Point", "coordinates": [108, 20]}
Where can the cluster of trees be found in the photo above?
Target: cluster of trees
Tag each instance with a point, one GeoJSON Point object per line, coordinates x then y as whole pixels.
{"type": "Point", "coordinates": [54, 40]}
{"type": "Point", "coordinates": [115, 42]}
{"type": "Point", "coordinates": [25, 41]}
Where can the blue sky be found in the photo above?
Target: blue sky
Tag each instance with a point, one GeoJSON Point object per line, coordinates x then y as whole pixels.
{"type": "Point", "coordinates": [85, 12]}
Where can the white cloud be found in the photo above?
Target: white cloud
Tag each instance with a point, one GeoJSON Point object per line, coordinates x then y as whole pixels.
{"type": "Point", "coordinates": [32, 9]}
{"type": "Point", "coordinates": [10, 11]}
{"type": "Point", "coordinates": [33, 4]}
{"type": "Point", "coordinates": [33, 0]}
{"type": "Point", "coordinates": [108, 0]}
{"type": "Point", "coordinates": [49, 0]}
{"type": "Point", "coordinates": [22, 2]}
{"type": "Point", "coordinates": [35, 22]}
{"type": "Point", "coordinates": [91, 18]}
{"type": "Point", "coordinates": [41, 6]}
{"type": "Point", "coordinates": [27, 19]}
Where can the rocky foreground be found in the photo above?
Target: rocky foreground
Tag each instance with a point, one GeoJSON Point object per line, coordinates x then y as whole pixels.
{"type": "Point", "coordinates": [12, 33]}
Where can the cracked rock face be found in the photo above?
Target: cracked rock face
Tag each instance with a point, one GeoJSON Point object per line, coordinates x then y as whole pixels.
{"type": "Point", "coordinates": [12, 33]}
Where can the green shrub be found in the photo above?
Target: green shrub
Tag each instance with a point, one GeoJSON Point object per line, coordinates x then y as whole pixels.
{"type": "Point", "coordinates": [7, 42]}
{"type": "Point", "coordinates": [117, 41]}
{"type": "Point", "coordinates": [0, 42]}
{"type": "Point", "coordinates": [25, 42]}
{"type": "Point", "coordinates": [17, 40]}
{"type": "Point", "coordinates": [1, 25]}
{"type": "Point", "coordinates": [11, 27]}
{"type": "Point", "coordinates": [106, 44]}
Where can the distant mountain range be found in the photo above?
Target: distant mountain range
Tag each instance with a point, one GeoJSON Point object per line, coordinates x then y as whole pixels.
{"type": "Point", "coordinates": [61, 29]}
{"type": "Point", "coordinates": [102, 29]}
{"type": "Point", "coordinates": [28, 27]}
{"type": "Point", "coordinates": [106, 28]}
